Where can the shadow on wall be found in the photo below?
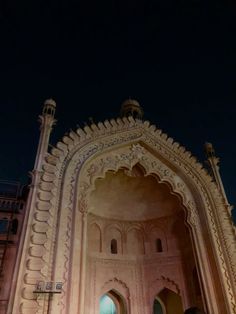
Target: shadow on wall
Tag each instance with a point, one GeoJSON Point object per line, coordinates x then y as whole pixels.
{"type": "Point", "coordinates": [194, 310]}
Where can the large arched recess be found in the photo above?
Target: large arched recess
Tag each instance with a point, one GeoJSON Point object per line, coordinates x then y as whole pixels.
{"type": "Point", "coordinates": [68, 177]}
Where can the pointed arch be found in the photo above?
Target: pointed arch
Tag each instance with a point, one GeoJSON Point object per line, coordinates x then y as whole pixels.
{"type": "Point", "coordinates": [172, 301]}
{"type": "Point", "coordinates": [83, 156]}
{"type": "Point", "coordinates": [161, 304]}
{"type": "Point", "coordinates": [117, 302]}
{"type": "Point", "coordinates": [113, 233]}
{"type": "Point", "coordinates": [157, 239]}
{"type": "Point", "coordinates": [118, 289]}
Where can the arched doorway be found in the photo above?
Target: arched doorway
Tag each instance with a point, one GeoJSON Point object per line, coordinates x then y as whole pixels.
{"type": "Point", "coordinates": [95, 176]}
{"type": "Point", "coordinates": [169, 302]}
{"type": "Point", "coordinates": [112, 303]}
{"type": "Point", "coordinates": [107, 305]}
{"type": "Point", "coordinates": [158, 306]}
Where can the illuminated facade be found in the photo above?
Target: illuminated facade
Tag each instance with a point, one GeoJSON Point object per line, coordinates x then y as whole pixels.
{"type": "Point", "coordinates": [128, 221]}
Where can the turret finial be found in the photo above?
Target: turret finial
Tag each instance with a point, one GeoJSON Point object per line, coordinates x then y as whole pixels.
{"type": "Point", "coordinates": [210, 151]}
{"type": "Point", "coordinates": [47, 121]}
{"type": "Point", "coordinates": [49, 107]}
{"type": "Point", "coordinates": [213, 163]}
{"type": "Point", "coordinates": [131, 107]}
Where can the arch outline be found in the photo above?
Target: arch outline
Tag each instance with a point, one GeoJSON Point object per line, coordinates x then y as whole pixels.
{"type": "Point", "coordinates": [65, 161]}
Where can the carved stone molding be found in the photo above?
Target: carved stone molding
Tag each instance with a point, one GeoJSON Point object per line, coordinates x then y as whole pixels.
{"type": "Point", "coordinates": [115, 284]}
{"type": "Point", "coordinates": [159, 284]}
{"type": "Point", "coordinates": [68, 177]}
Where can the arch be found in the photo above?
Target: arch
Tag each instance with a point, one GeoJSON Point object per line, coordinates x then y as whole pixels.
{"type": "Point", "coordinates": [157, 238]}
{"type": "Point", "coordinates": [112, 232]}
{"type": "Point", "coordinates": [159, 306]}
{"type": "Point", "coordinates": [172, 301]}
{"type": "Point", "coordinates": [163, 282]}
{"type": "Point", "coordinates": [119, 290]}
{"type": "Point", "coordinates": [115, 284]}
{"type": "Point", "coordinates": [128, 156]}
{"type": "Point", "coordinates": [115, 301]}
{"type": "Point", "coordinates": [85, 154]}
{"type": "Point", "coordinates": [107, 305]}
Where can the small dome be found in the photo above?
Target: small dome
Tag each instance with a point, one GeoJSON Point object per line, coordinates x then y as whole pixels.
{"type": "Point", "coordinates": [49, 107]}
{"type": "Point", "coordinates": [131, 107]}
{"type": "Point", "coordinates": [50, 102]}
{"type": "Point", "coordinates": [210, 152]}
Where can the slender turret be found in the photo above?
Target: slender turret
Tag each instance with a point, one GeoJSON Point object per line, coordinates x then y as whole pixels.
{"type": "Point", "coordinates": [46, 123]}
{"type": "Point", "coordinates": [213, 163]}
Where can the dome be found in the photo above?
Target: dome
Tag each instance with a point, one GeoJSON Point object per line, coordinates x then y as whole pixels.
{"type": "Point", "coordinates": [50, 102]}
{"type": "Point", "coordinates": [131, 107]}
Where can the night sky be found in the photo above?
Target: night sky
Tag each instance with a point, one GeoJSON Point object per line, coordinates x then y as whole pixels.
{"type": "Point", "coordinates": [177, 58]}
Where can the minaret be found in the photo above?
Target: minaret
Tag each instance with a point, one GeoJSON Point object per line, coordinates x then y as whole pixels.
{"type": "Point", "coordinates": [213, 162]}
{"type": "Point", "coordinates": [46, 123]}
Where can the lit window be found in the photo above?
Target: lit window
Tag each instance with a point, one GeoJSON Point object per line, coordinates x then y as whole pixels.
{"type": "Point", "coordinates": [107, 306]}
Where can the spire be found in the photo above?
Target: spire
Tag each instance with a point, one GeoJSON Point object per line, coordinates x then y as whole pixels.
{"type": "Point", "coordinates": [47, 121]}
{"type": "Point", "coordinates": [213, 163]}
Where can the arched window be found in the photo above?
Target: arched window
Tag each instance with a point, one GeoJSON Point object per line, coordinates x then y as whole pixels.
{"type": "Point", "coordinates": [107, 305]}
{"type": "Point", "coordinates": [157, 307]}
{"type": "Point", "coordinates": [159, 245]}
{"type": "Point", "coordinates": [169, 303]}
{"type": "Point", "coordinates": [112, 303]}
{"type": "Point", "coordinates": [113, 246]}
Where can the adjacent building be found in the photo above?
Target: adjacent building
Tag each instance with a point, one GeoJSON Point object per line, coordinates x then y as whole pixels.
{"type": "Point", "coordinates": [12, 211]}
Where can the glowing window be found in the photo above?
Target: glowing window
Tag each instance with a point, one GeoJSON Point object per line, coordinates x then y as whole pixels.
{"type": "Point", "coordinates": [107, 306]}
{"type": "Point", "coordinates": [157, 308]}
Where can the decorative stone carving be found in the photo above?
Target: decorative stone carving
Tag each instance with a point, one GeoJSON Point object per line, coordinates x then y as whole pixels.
{"type": "Point", "coordinates": [117, 284]}
{"type": "Point", "coordinates": [70, 172]}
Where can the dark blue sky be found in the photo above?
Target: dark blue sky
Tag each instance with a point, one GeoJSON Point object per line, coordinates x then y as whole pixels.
{"type": "Point", "coordinates": [177, 58]}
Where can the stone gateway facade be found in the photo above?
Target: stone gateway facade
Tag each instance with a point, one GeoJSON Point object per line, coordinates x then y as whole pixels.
{"type": "Point", "coordinates": [123, 220]}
